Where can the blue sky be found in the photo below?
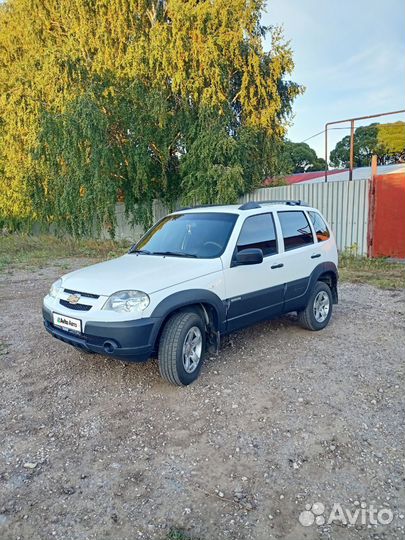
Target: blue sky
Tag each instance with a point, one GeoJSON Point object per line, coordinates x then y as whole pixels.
{"type": "Point", "coordinates": [350, 56]}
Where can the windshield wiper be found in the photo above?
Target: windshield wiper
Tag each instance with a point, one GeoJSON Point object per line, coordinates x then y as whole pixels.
{"type": "Point", "coordinates": [175, 254]}
{"type": "Point", "coordinates": [142, 251]}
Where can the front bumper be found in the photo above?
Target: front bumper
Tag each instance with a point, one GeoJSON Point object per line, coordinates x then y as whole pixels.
{"type": "Point", "coordinates": [127, 340]}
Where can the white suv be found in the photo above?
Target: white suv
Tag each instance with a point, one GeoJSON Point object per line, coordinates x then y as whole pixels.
{"type": "Point", "coordinates": [198, 274]}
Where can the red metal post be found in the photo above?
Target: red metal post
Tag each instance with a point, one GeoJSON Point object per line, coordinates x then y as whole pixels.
{"type": "Point", "coordinates": [373, 166]}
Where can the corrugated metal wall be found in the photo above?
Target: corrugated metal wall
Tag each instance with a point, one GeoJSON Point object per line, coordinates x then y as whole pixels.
{"type": "Point", "coordinates": [344, 204]}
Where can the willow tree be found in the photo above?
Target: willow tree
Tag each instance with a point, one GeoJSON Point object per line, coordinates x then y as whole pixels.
{"type": "Point", "coordinates": [140, 99]}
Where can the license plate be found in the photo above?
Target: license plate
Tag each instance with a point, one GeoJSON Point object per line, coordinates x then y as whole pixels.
{"type": "Point", "coordinates": [67, 323]}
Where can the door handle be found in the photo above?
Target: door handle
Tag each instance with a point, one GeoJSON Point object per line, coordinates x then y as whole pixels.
{"type": "Point", "coordinates": [280, 265]}
{"type": "Point", "coordinates": [315, 256]}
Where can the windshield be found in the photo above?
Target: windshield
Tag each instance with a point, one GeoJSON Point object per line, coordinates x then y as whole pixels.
{"type": "Point", "coordinates": [200, 235]}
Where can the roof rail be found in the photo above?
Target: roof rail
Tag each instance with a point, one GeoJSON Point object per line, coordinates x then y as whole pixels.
{"type": "Point", "coordinates": [250, 205]}
{"type": "Point", "coordinates": [287, 202]}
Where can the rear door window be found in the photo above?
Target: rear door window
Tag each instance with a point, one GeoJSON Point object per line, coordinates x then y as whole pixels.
{"type": "Point", "coordinates": [321, 229]}
{"type": "Point", "coordinates": [296, 229]}
{"type": "Point", "coordinates": [258, 232]}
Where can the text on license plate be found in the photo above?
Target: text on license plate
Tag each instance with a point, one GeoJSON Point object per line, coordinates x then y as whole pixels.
{"type": "Point", "coordinates": [67, 323]}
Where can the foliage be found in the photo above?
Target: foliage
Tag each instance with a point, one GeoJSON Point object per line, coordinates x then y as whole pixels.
{"type": "Point", "coordinates": [378, 272]}
{"type": "Point", "coordinates": [100, 145]}
{"type": "Point", "coordinates": [391, 137]}
{"type": "Point", "coordinates": [276, 181]}
{"type": "Point", "coordinates": [387, 141]}
{"type": "Point", "coordinates": [135, 99]}
{"type": "Point", "coordinates": [299, 158]}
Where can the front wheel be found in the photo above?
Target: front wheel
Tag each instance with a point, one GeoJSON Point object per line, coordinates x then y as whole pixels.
{"type": "Point", "coordinates": [318, 312]}
{"type": "Point", "coordinates": [182, 348]}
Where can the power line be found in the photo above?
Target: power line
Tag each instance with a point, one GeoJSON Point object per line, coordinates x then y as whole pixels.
{"type": "Point", "coordinates": [312, 136]}
{"type": "Point", "coordinates": [333, 128]}
{"type": "Point", "coordinates": [323, 131]}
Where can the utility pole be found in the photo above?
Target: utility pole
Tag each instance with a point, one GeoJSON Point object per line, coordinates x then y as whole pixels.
{"type": "Point", "coordinates": [326, 152]}
{"type": "Point", "coordinates": [351, 150]}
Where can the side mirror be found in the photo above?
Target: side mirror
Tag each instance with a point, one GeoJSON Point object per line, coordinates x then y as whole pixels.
{"type": "Point", "coordinates": [248, 256]}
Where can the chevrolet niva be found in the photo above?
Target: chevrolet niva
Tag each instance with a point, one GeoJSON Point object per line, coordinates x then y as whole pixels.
{"type": "Point", "coordinates": [196, 275]}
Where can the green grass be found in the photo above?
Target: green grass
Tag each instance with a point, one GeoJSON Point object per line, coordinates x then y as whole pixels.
{"type": "Point", "coordinates": [25, 251]}
{"type": "Point", "coordinates": [378, 272]}
{"type": "Point", "coordinates": [3, 348]}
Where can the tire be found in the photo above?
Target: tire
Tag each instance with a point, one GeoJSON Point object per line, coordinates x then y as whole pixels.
{"type": "Point", "coordinates": [182, 348]}
{"type": "Point", "coordinates": [314, 317]}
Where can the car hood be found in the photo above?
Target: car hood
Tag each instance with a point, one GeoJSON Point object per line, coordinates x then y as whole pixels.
{"type": "Point", "coordinates": [147, 273]}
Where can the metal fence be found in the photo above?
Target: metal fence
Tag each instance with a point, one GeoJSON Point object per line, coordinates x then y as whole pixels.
{"type": "Point", "coordinates": [344, 204]}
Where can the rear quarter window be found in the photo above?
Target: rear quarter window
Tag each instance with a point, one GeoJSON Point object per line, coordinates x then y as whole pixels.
{"type": "Point", "coordinates": [321, 229]}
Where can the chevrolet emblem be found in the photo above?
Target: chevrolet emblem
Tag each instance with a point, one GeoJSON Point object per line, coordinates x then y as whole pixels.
{"type": "Point", "coordinates": [73, 298]}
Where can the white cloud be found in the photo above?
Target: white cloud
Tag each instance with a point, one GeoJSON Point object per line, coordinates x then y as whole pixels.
{"type": "Point", "coordinates": [349, 54]}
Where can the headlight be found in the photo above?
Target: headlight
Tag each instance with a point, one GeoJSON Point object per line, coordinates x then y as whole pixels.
{"type": "Point", "coordinates": [55, 288]}
{"type": "Point", "coordinates": [127, 301]}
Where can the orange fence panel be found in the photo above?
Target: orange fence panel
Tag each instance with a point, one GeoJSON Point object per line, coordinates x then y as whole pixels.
{"type": "Point", "coordinates": [386, 235]}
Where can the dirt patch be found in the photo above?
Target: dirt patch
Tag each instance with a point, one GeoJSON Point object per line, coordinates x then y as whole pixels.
{"type": "Point", "coordinates": [282, 418]}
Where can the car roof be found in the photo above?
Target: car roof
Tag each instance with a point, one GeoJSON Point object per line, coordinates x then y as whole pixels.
{"type": "Point", "coordinates": [250, 208]}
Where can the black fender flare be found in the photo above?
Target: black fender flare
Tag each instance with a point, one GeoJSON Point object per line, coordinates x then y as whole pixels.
{"type": "Point", "coordinates": [324, 268]}
{"type": "Point", "coordinates": [181, 299]}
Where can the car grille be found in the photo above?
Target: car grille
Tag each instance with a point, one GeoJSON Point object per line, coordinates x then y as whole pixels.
{"type": "Point", "coordinates": [85, 294]}
{"type": "Point", "coordinates": [78, 307]}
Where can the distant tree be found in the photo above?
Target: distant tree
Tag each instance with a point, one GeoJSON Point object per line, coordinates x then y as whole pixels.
{"type": "Point", "coordinates": [318, 165]}
{"type": "Point", "coordinates": [391, 137]}
{"type": "Point", "coordinates": [299, 157]}
{"type": "Point", "coordinates": [387, 141]}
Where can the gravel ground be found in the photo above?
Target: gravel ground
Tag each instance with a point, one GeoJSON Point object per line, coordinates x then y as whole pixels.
{"type": "Point", "coordinates": [280, 419]}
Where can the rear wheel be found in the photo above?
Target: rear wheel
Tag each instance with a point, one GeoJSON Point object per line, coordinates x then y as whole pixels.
{"type": "Point", "coordinates": [182, 348]}
{"type": "Point", "coordinates": [318, 312]}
